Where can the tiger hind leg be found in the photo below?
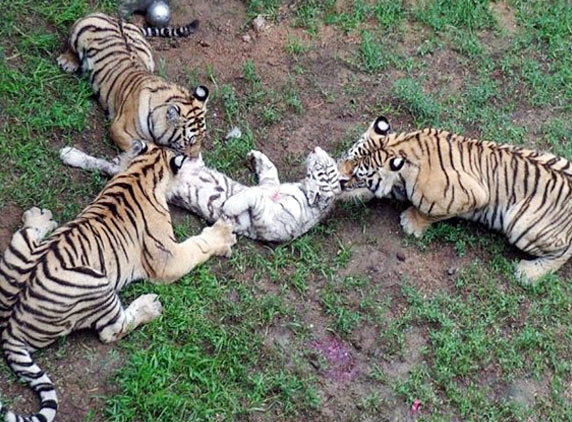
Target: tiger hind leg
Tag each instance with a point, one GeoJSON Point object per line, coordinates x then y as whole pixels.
{"type": "Point", "coordinates": [530, 271]}
{"type": "Point", "coordinates": [68, 62]}
{"type": "Point", "coordinates": [142, 310]}
{"type": "Point", "coordinates": [264, 168]}
{"type": "Point", "coordinates": [16, 260]}
{"type": "Point", "coordinates": [40, 220]}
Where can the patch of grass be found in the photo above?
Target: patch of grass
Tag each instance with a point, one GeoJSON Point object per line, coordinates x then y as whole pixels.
{"type": "Point", "coordinates": [467, 44]}
{"type": "Point", "coordinates": [229, 155]}
{"type": "Point", "coordinates": [545, 42]}
{"type": "Point", "coordinates": [40, 103]}
{"type": "Point", "coordinates": [292, 97]}
{"type": "Point", "coordinates": [557, 135]}
{"type": "Point", "coordinates": [388, 13]}
{"type": "Point", "coordinates": [441, 15]}
{"type": "Point", "coordinates": [479, 327]}
{"type": "Point", "coordinates": [295, 46]}
{"type": "Point", "coordinates": [348, 20]}
{"type": "Point", "coordinates": [268, 8]}
{"type": "Point", "coordinates": [372, 57]}
{"type": "Point", "coordinates": [230, 103]}
{"type": "Point", "coordinates": [198, 365]}
{"type": "Point", "coordinates": [308, 14]}
{"type": "Point", "coordinates": [423, 107]}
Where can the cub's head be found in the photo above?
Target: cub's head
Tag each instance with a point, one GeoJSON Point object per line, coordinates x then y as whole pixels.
{"type": "Point", "coordinates": [367, 165]}
{"type": "Point", "coordinates": [322, 182]}
{"type": "Point", "coordinates": [179, 121]}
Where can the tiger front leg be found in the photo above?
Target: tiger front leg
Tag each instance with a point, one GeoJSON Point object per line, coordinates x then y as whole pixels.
{"type": "Point", "coordinates": [530, 271]}
{"type": "Point", "coordinates": [265, 169]}
{"type": "Point", "coordinates": [216, 240]}
{"type": "Point", "coordinates": [414, 222]}
{"type": "Point", "coordinates": [432, 202]}
{"type": "Point", "coordinates": [118, 131]}
{"type": "Point", "coordinates": [142, 310]}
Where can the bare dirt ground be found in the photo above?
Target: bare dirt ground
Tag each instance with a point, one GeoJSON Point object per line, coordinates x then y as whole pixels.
{"type": "Point", "coordinates": [223, 43]}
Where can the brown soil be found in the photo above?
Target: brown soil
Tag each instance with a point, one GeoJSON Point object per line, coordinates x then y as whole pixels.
{"type": "Point", "coordinates": [222, 45]}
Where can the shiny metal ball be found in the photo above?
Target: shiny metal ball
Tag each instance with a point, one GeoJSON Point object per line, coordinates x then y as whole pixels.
{"type": "Point", "coordinates": [158, 13]}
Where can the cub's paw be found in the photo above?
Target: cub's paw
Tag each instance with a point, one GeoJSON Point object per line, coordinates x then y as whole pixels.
{"type": "Point", "coordinates": [222, 237]}
{"type": "Point", "coordinates": [68, 62]}
{"type": "Point", "coordinates": [253, 160]}
{"type": "Point", "coordinates": [41, 220]}
{"type": "Point", "coordinates": [147, 307]}
{"type": "Point", "coordinates": [258, 161]}
{"type": "Point", "coordinates": [413, 222]}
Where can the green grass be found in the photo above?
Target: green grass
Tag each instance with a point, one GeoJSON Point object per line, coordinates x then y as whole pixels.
{"type": "Point", "coordinates": [480, 327]}
{"type": "Point", "coordinates": [198, 365]}
{"type": "Point", "coordinates": [233, 341]}
{"type": "Point", "coordinates": [40, 104]}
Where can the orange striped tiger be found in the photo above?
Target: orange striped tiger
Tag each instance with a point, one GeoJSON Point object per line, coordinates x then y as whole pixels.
{"type": "Point", "coordinates": [523, 193]}
{"type": "Point", "coordinates": [71, 280]}
{"type": "Point", "coordinates": [139, 104]}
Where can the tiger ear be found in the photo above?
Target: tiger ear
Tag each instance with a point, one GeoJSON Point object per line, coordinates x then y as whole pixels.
{"type": "Point", "coordinates": [382, 126]}
{"type": "Point", "coordinates": [396, 163]}
{"type": "Point", "coordinates": [138, 147]}
{"type": "Point", "coordinates": [177, 162]}
{"type": "Point", "coordinates": [201, 93]}
{"type": "Point", "coordinates": [173, 113]}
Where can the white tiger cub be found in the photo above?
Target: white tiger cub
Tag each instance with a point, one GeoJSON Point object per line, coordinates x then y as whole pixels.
{"type": "Point", "coordinates": [270, 211]}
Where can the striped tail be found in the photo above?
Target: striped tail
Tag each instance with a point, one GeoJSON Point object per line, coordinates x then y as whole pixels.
{"type": "Point", "coordinates": [22, 364]}
{"type": "Point", "coordinates": [170, 31]}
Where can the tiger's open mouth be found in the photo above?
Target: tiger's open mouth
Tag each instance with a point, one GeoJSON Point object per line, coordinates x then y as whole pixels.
{"type": "Point", "coordinates": [346, 169]}
{"type": "Point", "coordinates": [351, 183]}
{"type": "Point", "coordinates": [344, 183]}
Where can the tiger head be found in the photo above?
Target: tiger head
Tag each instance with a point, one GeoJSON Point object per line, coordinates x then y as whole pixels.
{"type": "Point", "coordinates": [367, 165]}
{"type": "Point", "coordinates": [322, 182]}
{"type": "Point", "coordinates": [179, 122]}
{"type": "Point", "coordinates": [152, 164]}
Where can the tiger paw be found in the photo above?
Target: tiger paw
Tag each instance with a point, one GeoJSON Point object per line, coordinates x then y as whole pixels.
{"type": "Point", "coordinates": [146, 308]}
{"type": "Point", "coordinates": [254, 161]}
{"type": "Point", "coordinates": [259, 162]}
{"type": "Point", "coordinates": [222, 236]}
{"type": "Point", "coordinates": [414, 222]}
{"type": "Point", "coordinates": [528, 272]}
{"type": "Point", "coordinates": [68, 62]}
{"type": "Point", "coordinates": [41, 220]}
